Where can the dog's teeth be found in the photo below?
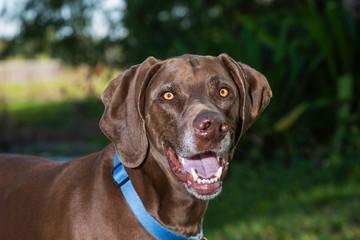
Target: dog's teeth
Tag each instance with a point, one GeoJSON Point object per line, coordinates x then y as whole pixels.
{"type": "Point", "coordinates": [194, 174]}
{"type": "Point", "coordinates": [198, 180]}
{"type": "Point", "coordinates": [218, 173]}
{"type": "Point", "coordinates": [217, 158]}
{"type": "Point", "coordinates": [182, 160]}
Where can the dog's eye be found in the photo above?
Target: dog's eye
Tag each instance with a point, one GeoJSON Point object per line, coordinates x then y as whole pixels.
{"type": "Point", "coordinates": [168, 95]}
{"type": "Point", "coordinates": [224, 92]}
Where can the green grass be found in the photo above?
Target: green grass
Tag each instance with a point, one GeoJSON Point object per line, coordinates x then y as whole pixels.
{"type": "Point", "coordinates": [52, 111]}
{"type": "Point", "coordinates": [277, 202]}
{"type": "Point", "coordinates": [69, 128]}
{"type": "Point", "coordinates": [72, 84]}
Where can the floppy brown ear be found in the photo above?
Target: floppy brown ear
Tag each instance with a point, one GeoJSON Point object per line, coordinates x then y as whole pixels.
{"type": "Point", "coordinates": [122, 121]}
{"type": "Point", "coordinates": [254, 90]}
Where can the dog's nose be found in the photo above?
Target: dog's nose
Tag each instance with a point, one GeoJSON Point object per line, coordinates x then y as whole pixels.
{"type": "Point", "coordinates": [210, 125]}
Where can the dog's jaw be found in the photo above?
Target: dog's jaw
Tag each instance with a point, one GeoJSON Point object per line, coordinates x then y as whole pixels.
{"type": "Point", "coordinates": [193, 192]}
{"type": "Point", "coordinates": [201, 172]}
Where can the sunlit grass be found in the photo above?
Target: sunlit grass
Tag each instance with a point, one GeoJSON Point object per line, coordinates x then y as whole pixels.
{"type": "Point", "coordinates": [71, 85]}
{"type": "Point", "coordinates": [50, 112]}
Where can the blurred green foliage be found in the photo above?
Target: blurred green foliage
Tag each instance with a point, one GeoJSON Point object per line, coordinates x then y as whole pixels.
{"type": "Point", "coordinates": [308, 50]}
{"type": "Point", "coordinates": [56, 28]}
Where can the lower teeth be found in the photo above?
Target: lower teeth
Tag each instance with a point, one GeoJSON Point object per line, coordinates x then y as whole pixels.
{"type": "Point", "coordinates": [208, 181]}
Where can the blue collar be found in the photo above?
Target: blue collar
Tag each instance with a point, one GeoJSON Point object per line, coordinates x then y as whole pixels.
{"type": "Point", "coordinates": [122, 180]}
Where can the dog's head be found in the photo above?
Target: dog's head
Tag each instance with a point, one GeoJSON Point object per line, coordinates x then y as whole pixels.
{"type": "Point", "coordinates": [188, 111]}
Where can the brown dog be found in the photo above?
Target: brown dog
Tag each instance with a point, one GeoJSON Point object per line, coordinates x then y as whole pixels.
{"type": "Point", "coordinates": [174, 125]}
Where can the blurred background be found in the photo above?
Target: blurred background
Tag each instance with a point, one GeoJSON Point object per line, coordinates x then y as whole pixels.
{"type": "Point", "coordinates": [296, 173]}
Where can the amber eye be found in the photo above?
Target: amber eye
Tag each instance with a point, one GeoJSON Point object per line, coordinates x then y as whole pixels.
{"type": "Point", "coordinates": [168, 95]}
{"type": "Point", "coordinates": [224, 92]}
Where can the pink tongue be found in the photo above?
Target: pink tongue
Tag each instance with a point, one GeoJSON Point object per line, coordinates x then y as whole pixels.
{"type": "Point", "coordinates": [204, 164]}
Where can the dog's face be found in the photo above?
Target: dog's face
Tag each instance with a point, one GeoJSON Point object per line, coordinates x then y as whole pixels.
{"type": "Point", "coordinates": [191, 115]}
{"type": "Point", "coordinates": [189, 112]}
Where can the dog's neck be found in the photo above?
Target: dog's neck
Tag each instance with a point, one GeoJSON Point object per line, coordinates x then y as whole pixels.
{"type": "Point", "coordinates": [166, 199]}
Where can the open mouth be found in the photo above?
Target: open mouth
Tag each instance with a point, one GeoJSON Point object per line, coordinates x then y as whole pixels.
{"type": "Point", "coordinates": [202, 173]}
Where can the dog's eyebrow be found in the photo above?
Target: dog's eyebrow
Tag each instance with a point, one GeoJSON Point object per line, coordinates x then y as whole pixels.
{"type": "Point", "coordinates": [169, 87]}
{"type": "Point", "coordinates": [215, 79]}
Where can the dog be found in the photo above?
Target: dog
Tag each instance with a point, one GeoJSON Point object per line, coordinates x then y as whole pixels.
{"type": "Point", "coordinates": [173, 126]}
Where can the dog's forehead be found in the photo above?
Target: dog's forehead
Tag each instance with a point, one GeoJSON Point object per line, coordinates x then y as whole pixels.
{"type": "Point", "coordinates": [195, 65]}
{"type": "Point", "coordinates": [191, 69]}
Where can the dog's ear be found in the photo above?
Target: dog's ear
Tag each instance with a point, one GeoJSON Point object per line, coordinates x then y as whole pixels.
{"type": "Point", "coordinates": [254, 91]}
{"type": "Point", "coordinates": [122, 121]}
